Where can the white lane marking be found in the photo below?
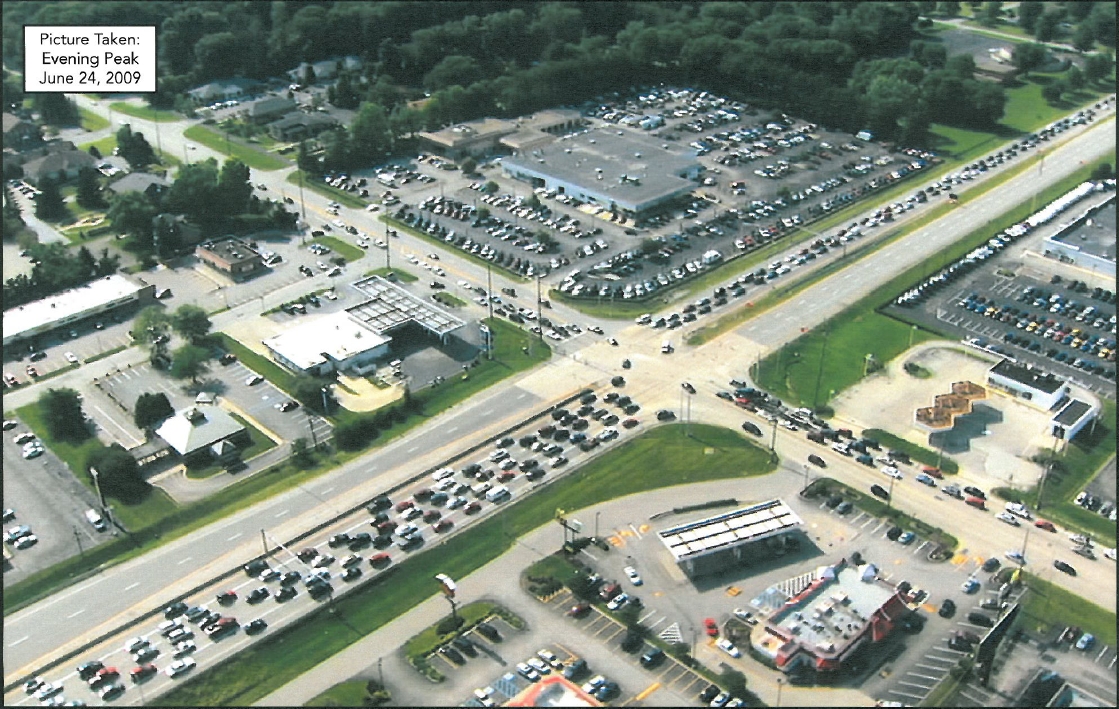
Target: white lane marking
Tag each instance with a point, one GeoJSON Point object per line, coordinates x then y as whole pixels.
{"type": "Point", "coordinates": [914, 684]}
{"type": "Point", "coordinates": [183, 561]}
{"type": "Point", "coordinates": [412, 449]}
{"type": "Point", "coordinates": [75, 614]}
{"type": "Point", "coordinates": [326, 491]}
{"type": "Point", "coordinates": [229, 539]}
{"type": "Point", "coordinates": [452, 429]}
{"type": "Point", "coordinates": [17, 642]}
{"type": "Point", "coordinates": [132, 586]}
{"type": "Point", "coordinates": [281, 514]}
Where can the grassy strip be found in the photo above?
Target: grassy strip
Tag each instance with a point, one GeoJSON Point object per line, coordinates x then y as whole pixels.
{"type": "Point", "coordinates": [317, 185]}
{"type": "Point", "coordinates": [91, 121]}
{"type": "Point", "coordinates": [860, 330]}
{"type": "Point", "coordinates": [916, 452]}
{"type": "Point", "coordinates": [448, 300]}
{"type": "Point", "coordinates": [823, 487]}
{"type": "Point", "coordinates": [343, 694]}
{"type": "Point", "coordinates": [106, 353]}
{"type": "Point", "coordinates": [1081, 460]}
{"type": "Point", "coordinates": [390, 221]}
{"type": "Point", "coordinates": [259, 443]}
{"type": "Point", "coordinates": [144, 112]}
{"type": "Point", "coordinates": [343, 249]}
{"type": "Point", "coordinates": [429, 639]}
{"type": "Point", "coordinates": [234, 148]}
{"type": "Point", "coordinates": [401, 274]}
{"type": "Point", "coordinates": [1048, 607]}
{"type": "Point", "coordinates": [662, 457]}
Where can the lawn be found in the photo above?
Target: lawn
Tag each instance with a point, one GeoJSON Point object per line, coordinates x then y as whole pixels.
{"type": "Point", "coordinates": [144, 112]}
{"type": "Point", "coordinates": [317, 185]}
{"type": "Point", "coordinates": [344, 694]}
{"type": "Point", "coordinates": [105, 146]}
{"type": "Point", "coordinates": [234, 148]}
{"type": "Point", "coordinates": [1048, 608]}
{"type": "Point", "coordinates": [662, 457]}
{"type": "Point", "coordinates": [399, 273]}
{"type": "Point", "coordinates": [343, 249]}
{"type": "Point", "coordinates": [91, 121]}
{"type": "Point", "coordinates": [427, 640]}
{"type": "Point", "coordinates": [794, 372]}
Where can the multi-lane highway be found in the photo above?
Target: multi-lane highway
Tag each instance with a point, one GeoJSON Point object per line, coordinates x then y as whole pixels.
{"type": "Point", "coordinates": [49, 628]}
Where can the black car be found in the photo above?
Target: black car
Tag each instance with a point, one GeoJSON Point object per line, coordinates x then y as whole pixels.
{"type": "Point", "coordinates": [652, 658]}
{"type": "Point", "coordinates": [879, 491]}
{"type": "Point", "coordinates": [1064, 566]}
{"type": "Point", "coordinates": [452, 654]}
{"type": "Point", "coordinates": [291, 577]}
{"type": "Point", "coordinates": [834, 501]}
{"type": "Point", "coordinates": [465, 646]}
{"type": "Point", "coordinates": [256, 626]}
{"type": "Point", "coordinates": [893, 533]}
{"type": "Point", "coordinates": [667, 415]}
{"type": "Point", "coordinates": [575, 669]}
{"type": "Point", "coordinates": [817, 461]}
{"type": "Point", "coordinates": [489, 631]}
{"type": "Point", "coordinates": [982, 619]}
{"type": "Point", "coordinates": [258, 595]}
{"type": "Point", "coordinates": [844, 507]}
{"type": "Point", "coordinates": [338, 540]}
{"type": "Point", "coordinates": [285, 593]}
{"type": "Point", "coordinates": [360, 541]}
{"type": "Point", "coordinates": [709, 693]}
{"type": "Point", "coordinates": [947, 608]}
{"type": "Point", "coordinates": [991, 564]}
{"type": "Point", "coordinates": [175, 610]}
{"type": "Point", "coordinates": [975, 492]}
{"type": "Point", "coordinates": [751, 428]}
{"type": "Point", "coordinates": [381, 502]}
{"type": "Point", "coordinates": [618, 381]}
{"type": "Point", "coordinates": [88, 669]}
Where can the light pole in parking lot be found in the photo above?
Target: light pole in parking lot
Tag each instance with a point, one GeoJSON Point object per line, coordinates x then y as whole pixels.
{"type": "Point", "coordinates": [780, 682]}
{"type": "Point", "coordinates": [78, 538]}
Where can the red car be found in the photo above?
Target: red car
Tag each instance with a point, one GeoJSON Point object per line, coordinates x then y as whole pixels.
{"type": "Point", "coordinates": [711, 627]}
{"type": "Point", "coordinates": [934, 472]}
{"type": "Point", "coordinates": [1045, 524]}
{"type": "Point", "coordinates": [404, 504]}
{"type": "Point", "coordinates": [443, 525]}
{"type": "Point", "coordinates": [472, 508]}
{"type": "Point", "coordinates": [380, 560]}
{"type": "Point", "coordinates": [142, 672]}
{"type": "Point", "coordinates": [629, 423]}
{"type": "Point", "coordinates": [579, 611]}
{"type": "Point", "coordinates": [432, 516]}
{"type": "Point", "coordinates": [506, 476]}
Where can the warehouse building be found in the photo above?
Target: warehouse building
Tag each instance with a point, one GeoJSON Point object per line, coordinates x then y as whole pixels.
{"type": "Point", "coordinates": [731, 539]}
{"type": "Point", "coordinates": [614, 169]}
{"type": "Point", "coordinates": [64, 310]}
{"type": "Point", "coordinates": [1088, 241]}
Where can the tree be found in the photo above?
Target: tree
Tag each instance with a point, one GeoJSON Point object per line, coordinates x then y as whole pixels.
{"type": "Point", "coordinates": [1046, 27]}
{"type": "Point", "coordinates": [1097, 66]}
{"type": "Point", "coordinates": [301, 454]}
{"type": "Point", "coordinates": [949, 9]}
{"type": "Point", "coordinates": [150, 409]}
{"type": "Point", "coordinates": [1084, 38]}
{"type": "Point", "coordinates": [992, 13]}
{"type": "Point", "coordinates": [309, 392]}
{"type": "Point", "coordinates": [191, 322]}
{"type": "Point", "coordinates": [118, 475]}
{"type": "Point", "coordinates": [490, 187]}
{"type": "Point", "coordinates": [1075, 78]}
{"type": "Point", "coordinates": [469, 166]}
{"type": "Point", "coordinates": [1028, 13]}
{"type": "Point", "coordinates": [62, 412]}
{"type": "Point", "coordinates": [89, 189]}
{"type": "Point", "coordinates": [1028, 56]}
{"type": "Point", "coordinates": [1052, 91]}
{"type": "Point", "coordinates": [150, 323]}
{"type": "Point", "coordinates": [132, 214]}
{"type": "Point", "coordinates": [1103, 172]}
{"type": "Point", "coordinates": [190, 362]}
{"type": "Point", "coordinates": [49, 205]}
{"type": "Point", "coordinates": [134, 148]}
{"type": "Point", "coordinates": [234, 187]}
{"type": "Point", "coordinates": [56, 109]}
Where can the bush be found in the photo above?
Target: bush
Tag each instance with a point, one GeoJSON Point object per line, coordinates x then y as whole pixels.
{"type": "Point", "coordinates": [449, 625]}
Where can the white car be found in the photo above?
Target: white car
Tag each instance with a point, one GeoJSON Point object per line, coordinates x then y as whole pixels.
{"type": "Point", "coordinates": [634, 577]}
{"type": "Point", "coordinates": [728, 647]}
{"type": "Point", "coordinates": [26, 541]}
{"type": "Point", "coordinates": [33, 450]}
{"type": "Point", "coordinates": [1008, 518]}
{"type": "Point", "coordinates": [892, 472]}
{"type": "Point", "coordinates": [539, 665]}
{"type": "Point", "coordinates": [618, 601]}
{"type": "Point", "coordinates": [135, 644]}
{"type": "Point", "coordinates": [178, 667]}
{"type": "Point", "coordinates": [527, 672]}
{"type": "Point", "coordinates": [550, 657]}
{"type": "Point", "coordinates": [253, 380]}
{"type": "Point", "coordinates": [1109, 553]}
{"type": "Point", "coordinates": [71, 358]}
{"type": "Point", "coordinates": [25, 437]}
{"type": "Point", "coordinates": [184, 648]}
{"type": "Point", "coordinates": [1016, 556]}
{"type": "Point", "coordinates": [745, 616]}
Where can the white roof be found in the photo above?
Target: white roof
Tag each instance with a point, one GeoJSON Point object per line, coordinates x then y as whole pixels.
{"type": "Point", "coordinates": [338, 336]}
{"type": "Point", "coordinates": [197, 427]}
{"type": "Point", "coordinates": [68, 305]}
{"type": "Point", "coordinates": [748, 524]}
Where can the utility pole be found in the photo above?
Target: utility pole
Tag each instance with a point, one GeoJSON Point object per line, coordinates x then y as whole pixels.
{"type": "Point", "coordinates": [311, 425]}
{"type": "Point", "coordinates": [78, 539]}
{"type": "Point", "coordinates": [538, 306]}
{"type": "Point", "coordinates": [264, 541]}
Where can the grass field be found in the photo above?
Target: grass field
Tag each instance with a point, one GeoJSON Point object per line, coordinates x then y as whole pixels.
{"type": "Point", "coordinates": [430, 638]}
{"type": "Point", "coordinates": [105, 145]}
{"type": "Point", "coordinates": [317, 185]}
{"type": "Point", "coordinates": [1048, 608]}
{"type": "Point", "coordinates": [144, 112]}
{"type": "Point", "coordinates": [344, 249]}
{"type": "Point", "coordinates": [343, 694]}
{"type": "Point", "coordinates": [234, 148]}
{"type": "Point", "coordinates": [91, 121]}
{"type": "Point", "coordinates": [794, 373]}
{"type": "Point", "coordinates": [662, 457]}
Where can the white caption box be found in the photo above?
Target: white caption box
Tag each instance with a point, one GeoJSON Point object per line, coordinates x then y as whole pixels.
{"type": "Point", "coordinates": [89, 59]}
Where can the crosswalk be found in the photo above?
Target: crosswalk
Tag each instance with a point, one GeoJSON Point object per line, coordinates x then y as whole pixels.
{"type": "Point", "coordinates": [672, 634]}
{"type": "Point", "coordinates": [791, 587]}
{"type": "Point", "coordinates": [506, 686]}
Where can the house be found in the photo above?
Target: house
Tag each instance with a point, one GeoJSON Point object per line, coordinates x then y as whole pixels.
{"type": "Point", "coordinates": [326, 69]}
{"type": "Point", "coordinates": [223, 90]}
{"type": "Point", "coordinates": [296, 126]}
{"type": "Point", "coordinates": [268, 109]}
{"type": "Point", "coordinates": [19, 135]}
{"type": "Point", "coordinates": [61, 166]}
{"type": "Point", "coordinates": [149, 185]}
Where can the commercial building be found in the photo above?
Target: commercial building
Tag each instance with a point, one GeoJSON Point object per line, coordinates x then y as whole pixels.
{"type": "Point", "coordinates": [329, 343]}
{"type": "Point", "coordinates": [822, 625]}
{"type": "Point", "coordinates": [64, 310]}
{"type": "Point", "coordinates": [474, 138]}
{"type": "Point", "coordinates": [1088, 241]}
{"type": "Point", "coordinates": [734, 538]}
{"type": "Point", "coordinates": [204, 432]}
{"type": "Point", "coordinates": [230, 256]}
{"type": "Point", "coordinates": [629, 173]}
{"type": "Point", "coordinates": [1038, 388]}
{"type": "Point", "coordinates": [356, 338]}
{"type": "Point", "coordinates": [552, 690]}
{"type": "Point", "coordinates": [1072, 418]}
{"type": "Point", "coordinates": [542, 128]}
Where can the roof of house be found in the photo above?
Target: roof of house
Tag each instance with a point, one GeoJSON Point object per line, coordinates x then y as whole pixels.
{"type": "Point", "coordinates": [197, 427]}
{"type": "Point", "coordinates": [58, 162]}
{"type": "Point", "coordinates": [137, 182]}
{"type": "Point", "coordinates": [12, 121]}
{"type": "Point", "coordinates": [222, 87]}
{"type": "Point", "coordinates": [303, 119]}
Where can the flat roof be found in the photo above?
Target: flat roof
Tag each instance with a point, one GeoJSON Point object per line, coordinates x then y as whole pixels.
{"type": "Point", "coordinates": [337, 336]}
{"type": "Point", "coordinates": [68, 305]}
{"type": "Point", "coordinates": [1035, 378]}
{"type": "Point", "coordinates": [232, 250]}
{"type": "Point", "coordinates": [1072, 412]}
{"type": "Point", "coordinates": [390, 306]}
{"type": "Point", "coordinates": [628, 168]}
{"type": "Point", "coordinates": [1095, 235]}
{"type": "Point", "coordinates": [748, 524]}
{"type": "Point", "coordinates": [464, 133]}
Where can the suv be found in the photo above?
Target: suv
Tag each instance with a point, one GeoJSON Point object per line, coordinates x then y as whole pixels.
{"type": "Point", "coordinates": [652, 657]}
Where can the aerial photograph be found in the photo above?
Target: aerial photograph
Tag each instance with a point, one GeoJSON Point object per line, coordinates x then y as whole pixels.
{"type": "Point", "coordinates": [559, 353]}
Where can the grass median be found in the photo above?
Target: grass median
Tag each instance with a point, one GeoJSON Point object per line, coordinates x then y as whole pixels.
{"type": "Point", "coordinates": [145, 112]}
{"type": "Point", "coordinates": [222, 143]}
{"type": "Point", "coordinates": [662, 457]}
{"type": "Point", "coordinates": [1048, 608]}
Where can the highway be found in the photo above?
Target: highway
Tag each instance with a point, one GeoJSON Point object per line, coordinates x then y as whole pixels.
{"type": "Point", "coordinates": [121, 593]}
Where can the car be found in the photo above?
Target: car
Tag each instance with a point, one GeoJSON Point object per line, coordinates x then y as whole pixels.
{"type": "Point", "coordinates": [527, 672]}
{"type": "Point", "coordinates": [147, 653]}
{"type": "Point", "coordinates": [634, 577]}
{"type": "Point", "coordinates": [592, 685]}
{"type": "Point", "coordinates": [1086, 641]}
{"type": "Point", "coordinates": [710, 627]}
{"type": "Point", "coordinates": [709, 693]}
{"type": "Point", "coordinates": [728, 647]}
{"type": "Point", "coordinates": [539, 665]}
{"type": "Point", "coordinates": [255, 626]}
{"type": "Point", "coordinates": [892, 471]}
{"type": "Point", "coordinates": [975, 492]}
{"type": "Point", "coordinates": [380, 560]}
{"type": "Point", "coordinates": [666, 415]}
{"type": "Point", "coordinates": [226, 597]}
{"type": "Point", "coordinates": [88, 669]}
{"type": "Point", "coordinates": [550, 657]}
{"type": "Point", "coordinates": [618, 381]}
{"type": "Point", "coordinates": [253, 380]}
{"type": "Point", "coordinates": [980, 619]}
{"type": "Point", "coordinates": [71, 358]}
{"type": "Point", "coordinates": [323, 561]}
{"type": "Point", "coordinates": [112, 692]}
{"type": "Point", "coordinates": [285, 593]}
{"type": "Point", "coordinates": [291, 577]}
{"type": "Point", "coordinates": [844, 507]}
{"type": "Point", "coordinates": [817, 461]}
{"type": "Point", "coordinates": [179, 667]}
{"type": "Point", "coordinates": [947, 608]}
{"type": "Point", "coordinates": [142, 672]}
{"type": "Point", "coordinates": [25, 437]}
{"type": "Point", "coordinates": [286, 406]}
{"type": "Point", "coordinates": [31, 371]}
{"type": "Point", "coordinates": [970, 586]}
{"type": "Point", "coordinates": [472, 508]}
{"type": "Point", "coordinates": [991, 564]}
{"type": "Point", "coordinates": [259, 594]}
{"type": "Point", "coordinates": [1046, 525]}
{"type": "Point", "coordinates": [444, 525]}
{"type": "Point", "coordinates": [893, 533]}
{"type": "Point", "coordinates": [579, 610]}
{"type": "Point", "coordinates": [906, 538]}
{"type": "Point", "coordinates": [1008, 518]}
{"type": "Point", "coordinates": [184, 648]}
{"type": "Point", "coordinates": [1064, 566]}
{"type": "Point", "coordinates": [135, 644]}
{"type": "Point", "coordinates": [721, 700]}
{"type": "Point", "coordinates": [26, 542]}
{"type": "Point", "coordinates": [652, 657]}
{"type": "Point", "coordinates": [15, 533]}
{"type": "Point", "coordinates": [617, 602]}
{"type": "Point", "coordinates": [1015, 556]}
{"type": "Point", "coordinates": [47, 690]}
{"type": "Point", "coordinates": [608, 690]}
{"type": "Point", "coordinates": [925, 479]}
{"type": "Point", "coordinates": [745, 616]}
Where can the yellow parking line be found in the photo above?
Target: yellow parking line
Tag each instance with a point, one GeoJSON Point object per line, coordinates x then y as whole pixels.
{"type": "Point", "coordinates": [643, 528]}
{"type": "Point", "coordinates": [647, 691]}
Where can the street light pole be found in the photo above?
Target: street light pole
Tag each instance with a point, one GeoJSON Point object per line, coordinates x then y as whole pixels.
{"type": "Point", "coordinates": [78, 538]}
{"type": "Point", "coordinates": [596, 514]}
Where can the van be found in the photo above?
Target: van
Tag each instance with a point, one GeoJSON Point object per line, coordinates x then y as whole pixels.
{"type": "Point", "coordinates": [497, 494]}
{"type": "Point", "coordinates": [96, 520]}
